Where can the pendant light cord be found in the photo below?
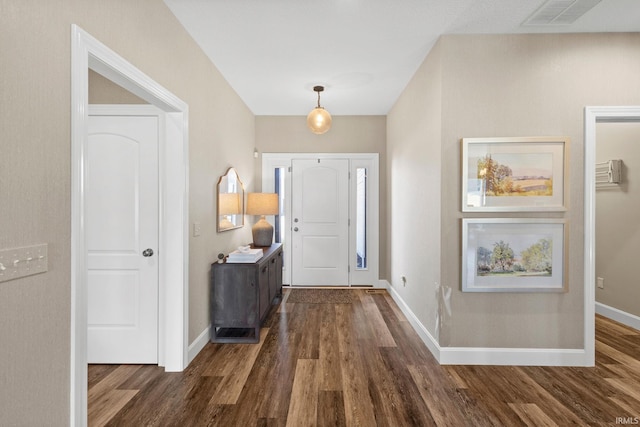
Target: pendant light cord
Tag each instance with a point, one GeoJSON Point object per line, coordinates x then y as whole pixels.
{"type": "Point", "coordinates": [318, 89]}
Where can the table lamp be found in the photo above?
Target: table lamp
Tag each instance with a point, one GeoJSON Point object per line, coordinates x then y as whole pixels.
{"type": "Point", "coordinates": [262, 204]}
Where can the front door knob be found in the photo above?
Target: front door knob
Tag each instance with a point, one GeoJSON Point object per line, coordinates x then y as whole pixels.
{"type": "Point", "coordinates": [147, 252]}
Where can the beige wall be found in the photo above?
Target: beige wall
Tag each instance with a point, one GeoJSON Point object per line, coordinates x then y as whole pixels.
{"type": "Point", "coordinates": [510, 85]}
{"type": "Point", "coordinates": [348, 134]}
{"type": "Point", "coordinates": [104, 91]}
{"type": "Point", "coordinates": [35, 47]}
{"type": "Point", "coordinates": [414, 170]}
{"type": "Point", "coordinates": [617, 222]}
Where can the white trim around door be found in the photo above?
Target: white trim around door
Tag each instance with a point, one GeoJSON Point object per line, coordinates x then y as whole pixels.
{"type": "Point", "coordinates": [367, 164]}
{"type": "Point", "coordinates": [593, 115]}
{"type": "Point", "coordinates": [88, 53]}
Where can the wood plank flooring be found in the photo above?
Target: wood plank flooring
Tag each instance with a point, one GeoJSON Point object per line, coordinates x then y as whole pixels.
{"type": "Point", "coordinates": [362, 364]}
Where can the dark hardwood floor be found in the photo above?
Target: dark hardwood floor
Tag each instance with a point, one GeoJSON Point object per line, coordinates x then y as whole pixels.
{"type": "Point", "coordinates": [362, 364]}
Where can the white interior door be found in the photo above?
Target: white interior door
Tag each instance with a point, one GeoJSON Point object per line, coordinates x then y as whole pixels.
{"type": "Point", "coordinates": [320, 222]}
{"type": "Point", "coordinates": [122, 239]}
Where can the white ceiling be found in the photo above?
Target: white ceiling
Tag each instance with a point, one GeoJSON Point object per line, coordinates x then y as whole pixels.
{"type": "Point", "coordinates": [272, 52]}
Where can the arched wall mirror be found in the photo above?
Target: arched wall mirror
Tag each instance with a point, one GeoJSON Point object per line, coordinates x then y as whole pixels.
{"type": "Point", "coordinates": [230, 201]}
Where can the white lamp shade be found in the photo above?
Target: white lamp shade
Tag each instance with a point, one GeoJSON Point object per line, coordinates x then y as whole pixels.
{"type": "Point", "coordinates": [262, 204]}
{"type": "Point", "coordinates": [319, 120]}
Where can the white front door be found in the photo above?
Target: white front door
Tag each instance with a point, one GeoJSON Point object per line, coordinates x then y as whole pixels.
{"type": "Point", "coordinates": [320, 226]}
{"type": "Point", "coordinates": [122, 232]}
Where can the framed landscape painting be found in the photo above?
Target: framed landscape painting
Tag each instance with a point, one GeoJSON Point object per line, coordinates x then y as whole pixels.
{"type": "Point", "coordinates": [513, 255]}
{"type": "Point", "coordinates": [514, 174]}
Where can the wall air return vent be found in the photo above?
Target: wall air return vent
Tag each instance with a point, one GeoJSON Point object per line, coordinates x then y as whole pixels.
{"type": "Point", "coordinates": [559, 12]}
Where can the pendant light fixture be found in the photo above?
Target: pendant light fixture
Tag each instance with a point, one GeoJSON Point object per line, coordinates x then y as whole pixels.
{"type": "Point", "coordinates": [319, 120]}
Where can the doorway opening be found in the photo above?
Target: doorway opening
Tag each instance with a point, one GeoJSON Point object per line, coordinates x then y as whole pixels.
{"type": "Point", "coordinates": [89, 54]}
{"type": "Point", "coordinates": [594, 115]}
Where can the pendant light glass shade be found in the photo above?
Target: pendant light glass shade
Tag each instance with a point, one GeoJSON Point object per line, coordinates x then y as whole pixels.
{"type": "Point", "coordinates": [319, 119]}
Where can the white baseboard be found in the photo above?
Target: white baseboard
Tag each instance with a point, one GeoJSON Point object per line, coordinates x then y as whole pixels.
{"type": "Point", "coordinates": [623, 317]}
{"type": "Point", "coordinates": [421, 330]}
{"type": "Point", "coordinates": [512, 356]}
{"type": "Point", "coordinates": [488, 356]}
{"type": "Point", "coordinates": [196, 346]}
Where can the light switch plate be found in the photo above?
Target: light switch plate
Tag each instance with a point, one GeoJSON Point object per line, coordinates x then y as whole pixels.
{"type": "Point", "coordinates": [197, 230]}
{"type": "Point", "coordinates": [22, 262]}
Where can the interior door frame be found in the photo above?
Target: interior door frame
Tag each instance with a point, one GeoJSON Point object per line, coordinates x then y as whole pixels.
{"type": "Point", "coordinates": [271, 161]}
{"type": "Point", "coordinates": [88, 53]}
{"type": "Point", "coordinates": [592, 116]}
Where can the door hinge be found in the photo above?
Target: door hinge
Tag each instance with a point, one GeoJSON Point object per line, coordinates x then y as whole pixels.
{"type": "Point", "coordinates": [349, 222]}
{"type": "Point", "coordinates": [289, 169]}
{"type": "Point", "coordinates": [348, 269]}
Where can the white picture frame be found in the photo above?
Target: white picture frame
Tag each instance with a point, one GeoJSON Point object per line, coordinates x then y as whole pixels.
{"type": "Point", "coordinates": [518, 174]}
{"type": "Point", "coordinates": [514, 254]}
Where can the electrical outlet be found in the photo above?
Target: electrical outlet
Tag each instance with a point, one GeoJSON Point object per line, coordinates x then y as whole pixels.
{"type": "Point", "coordinates": [600, 282]}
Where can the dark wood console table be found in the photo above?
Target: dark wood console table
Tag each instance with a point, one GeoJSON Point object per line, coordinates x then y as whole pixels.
{"type": "Point", "coordinates": [242, 294]}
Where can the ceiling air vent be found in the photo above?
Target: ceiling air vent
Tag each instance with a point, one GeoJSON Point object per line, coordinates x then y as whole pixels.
{"type": "Point", "coordinates": [560, 12]}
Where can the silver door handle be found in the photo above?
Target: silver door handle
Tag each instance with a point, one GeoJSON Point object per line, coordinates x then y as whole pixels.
{"type": "Point", "coordinates": [147, 252]}
{"type": "Point", "coordinates": [295, 228]}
